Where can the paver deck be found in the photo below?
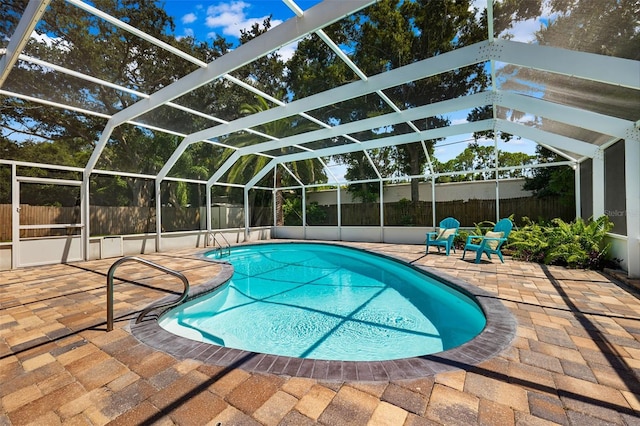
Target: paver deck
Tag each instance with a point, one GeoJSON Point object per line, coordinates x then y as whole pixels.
{"type": "Point", "coordinates": [575, 358]}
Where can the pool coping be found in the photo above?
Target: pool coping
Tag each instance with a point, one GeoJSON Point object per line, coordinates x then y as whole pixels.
{"type": "Point", "coordinates": [498, 334]}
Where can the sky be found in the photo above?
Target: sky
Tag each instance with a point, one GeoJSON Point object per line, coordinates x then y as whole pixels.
{"type": "Point", "coordinates": [204, 19]}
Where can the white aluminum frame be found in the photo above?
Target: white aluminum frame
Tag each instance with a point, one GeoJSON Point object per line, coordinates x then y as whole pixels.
{"type": "Point", "coordinates": [587, 66]}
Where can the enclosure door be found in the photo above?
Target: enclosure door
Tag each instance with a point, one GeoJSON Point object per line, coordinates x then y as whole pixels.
{"type": "Point", "coordinates": [42, 234]}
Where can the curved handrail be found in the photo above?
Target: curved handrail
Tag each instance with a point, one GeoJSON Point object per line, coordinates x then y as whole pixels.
{"type": "Point", "coordinates": [145, 311]}
{"type": "Point", "coordinates": [212, 235]}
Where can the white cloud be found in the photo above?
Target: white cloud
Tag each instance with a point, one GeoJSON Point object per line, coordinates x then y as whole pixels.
{"type": "Point", "coordinates": [58, 42]}
{"type": "Point", "coordinates": [232, 18]}
{"type": "Point", "coordinates": [440, 153]}
{"type": "Point", "coordinates": [189, 18]}
{"type": "Point", "coordinates": [524, 31]}
{"type": "Point", "coordinates": [459, 120]}
{"type": "Point", "coordinates": [526, 119]}
{"type": "Point", "coordinates": [186, 32]}
{"type": "Point", "coordinates": [286, 52]}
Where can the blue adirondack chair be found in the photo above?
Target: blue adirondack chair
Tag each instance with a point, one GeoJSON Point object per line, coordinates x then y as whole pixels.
{"type": "Point", "coordinates": [447, 231]}
{"type": "Point", "coordinates": [491, 242]}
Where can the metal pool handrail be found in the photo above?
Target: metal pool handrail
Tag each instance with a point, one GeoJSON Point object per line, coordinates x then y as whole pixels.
{"type": "Point", "coordinates": [217, 245]}
{"type": "Point", "coordinates": [112, 271]}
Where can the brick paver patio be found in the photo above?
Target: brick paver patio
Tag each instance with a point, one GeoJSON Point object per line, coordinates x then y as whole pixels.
{"type": "Point", "coordinates": [575, 358]}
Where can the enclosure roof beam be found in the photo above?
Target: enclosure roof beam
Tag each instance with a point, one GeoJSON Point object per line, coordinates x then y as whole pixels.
{"type": "Point", "coordinates": [451, 105]}
{"type": "Point", "coordinates": [565, 114]}
{"type": "Point", "coordinates": [294, 7]}
{"type": "Point", "coordinates": [442, 132]}
{"type": "Point", "coordinates": [223, 168]}
{"type": "Point", "coordinates": [32, 14]}
{"type": "Point", "coordinates": [123, 174]}
{"type": "Point", "coordinates": [560, 113]}
{"type": "Point", "coordinates": [559, 152]}
{"type": "Point", "coordinates": [520, 167]}
{"type": "Point", "coordinates": [41, 165]}
{"type": "Point", "coordinates": [96, 114]}
{"type": "Point", "coordinates": [88, 112]}
{"type": "Point", "coordinates": [53, 104]}
{"type": "Point", "coordinates": [589, 66]}
{"type": "Point", "coordinates": [551, 139]}
{"type": "Point", "coordinates": [284, 166]}
{"type": "Point", "coordinates": [266, 169]}
{"type": "Point", "coordinates": [557, 141]}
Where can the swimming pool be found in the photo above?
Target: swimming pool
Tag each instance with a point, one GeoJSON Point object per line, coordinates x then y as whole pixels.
{"type": "Point", "coordinates": [327, 302]}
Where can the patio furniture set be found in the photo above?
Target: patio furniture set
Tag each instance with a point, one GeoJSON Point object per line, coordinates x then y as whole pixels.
{"type": "Point", "coordinates": [489, 243]}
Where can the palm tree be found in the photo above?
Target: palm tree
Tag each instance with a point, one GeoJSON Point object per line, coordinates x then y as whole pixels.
{"type": "Point", "coordinates": [308, 171]}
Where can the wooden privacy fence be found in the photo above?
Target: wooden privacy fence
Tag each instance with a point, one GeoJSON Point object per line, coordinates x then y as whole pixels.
{"type": "Point", "coordinates": [467, 212]}
{"type": "Point", "coordinates": [103, 220]}
{"type": "Point", "coordinates": [139, 220]}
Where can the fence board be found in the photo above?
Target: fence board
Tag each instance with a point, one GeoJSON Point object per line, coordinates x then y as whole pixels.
{"type": "Point", "coordinates": [106, 220]}
{"type": "Point", "coordinates": [467, 212]}
{"type": "Point", "coordinates": [5, 222]}
{"type": "Point", "coordinates": [103, 220]}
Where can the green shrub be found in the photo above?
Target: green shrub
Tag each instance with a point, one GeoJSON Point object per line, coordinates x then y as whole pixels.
{"type": "Point", "coordinates": [292, 211]}
{"type": "Point", "coordinates": [577, 244]}
{"type": "Point", "coordinates": [460, 239]}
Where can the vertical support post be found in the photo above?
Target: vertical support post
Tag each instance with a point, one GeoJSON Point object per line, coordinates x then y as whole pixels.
{"type": "Point", "coordinates": [496, 151]}
{"type": "Point", "coordinates": [492, 66]}
{"type": "Point", "coordinates": [158, 217]}
{"type": "Point", "coordinates": [339, 206]}
{"type": "Point", "coordinates": [275, 196]}
{"type": "Point", "coordinates": [247, 214]}
{"type": "Point", "coordinates": [274, 212]}
{"type": "Point", "coordinates": [304, 212]}
{"type": "Point", "coordinates": [381, 212]}
{"type": "Point", "coordinates": [208, 207]}
{"type": "Point", "coordinates": [497, 199]}
{"type": "Point", "coordinates": [632, 182]}
{"type": "Point", "coordinates": [490, 21]}
{"type": "Point", "coordinates": [576, 174]}
{"type": "Point", "coordinates": [85, 215]}
{"type": "Point", "coordinates": [598, 184]}
{"type": "Point", "coordinates": [15, 218]}
{"type": "Point", "coordinates": [433, 201]}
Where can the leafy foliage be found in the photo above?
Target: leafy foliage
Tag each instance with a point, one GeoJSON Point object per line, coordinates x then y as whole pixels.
{"type": "Point", "coordinates": [292, 211]}
{"type": "Point", "coordinates": [551, 181]}
{"type": "Point", "coordinates": [479, 157]}
{"type": "Point", "coordinates": [360, 168]}
{"type": "Point", "coordinates": [578, 244]}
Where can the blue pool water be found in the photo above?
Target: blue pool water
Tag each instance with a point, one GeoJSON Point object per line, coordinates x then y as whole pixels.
{"type": "Point", "coordinates": [327, 302]}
